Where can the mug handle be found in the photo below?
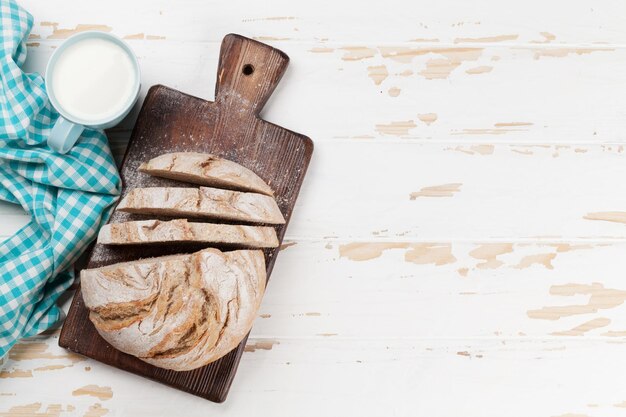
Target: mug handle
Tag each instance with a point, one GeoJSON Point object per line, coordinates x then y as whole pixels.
{"type": "Point", "coordinates": [64, 135]}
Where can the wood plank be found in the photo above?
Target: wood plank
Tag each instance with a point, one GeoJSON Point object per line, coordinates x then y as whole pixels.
{"type": "Point", "coordinates": [494, 192]}
{"type": "Point", "coordinates": [12, 219]}
{"type": "Point", "coordinates": [550, 290]}
{"type": "Point", "coordinates": [473, 330]}
{"type": "Point", "coordinates": [11, 223]}
{"type": "Point", "coordinates": [398, 20]}
{"type": "Point", "coordinates": [406, 92]}
{"type": "Point", "coordinates": [542, 192]}
{"type": "Point", "coordinates": [387, 290]}
{"type": "Point", "coordinates": [425, 377]}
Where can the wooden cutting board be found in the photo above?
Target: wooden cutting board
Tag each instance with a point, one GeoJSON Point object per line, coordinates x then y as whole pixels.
{"type": "Point", "coordinates": [171, 121]}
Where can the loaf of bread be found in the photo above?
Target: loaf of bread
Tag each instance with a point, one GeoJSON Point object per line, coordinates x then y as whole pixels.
{"type": "Point", "coordinates": [205, 169]}
{"type": "Point", "coordinates": [180, 230]}
{"type": "Point", "coordinates": [177, 312]}
{"type": "Point", "coordinates": [205, 202]}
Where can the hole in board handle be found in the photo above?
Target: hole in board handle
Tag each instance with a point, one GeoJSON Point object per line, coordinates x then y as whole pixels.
{"type": "Point", "coordinates": [247, 69]}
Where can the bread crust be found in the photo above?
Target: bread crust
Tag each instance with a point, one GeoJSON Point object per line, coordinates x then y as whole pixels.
{"type": "Point", "coordinates": [203, 202]}
{"type": "Point", "coordinates": [180, 230]}
{"type": "Point", "coordinates": [206, 169]}
{"type": "Point", "coordinates": [177, 312]}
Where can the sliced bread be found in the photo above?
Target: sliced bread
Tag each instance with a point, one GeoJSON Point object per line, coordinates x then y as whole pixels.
{"type": "Point", "coordinates": [205, 169]}
{"type": "Point", "coordinates": [204, 202]}
{"type": "Point", "coordinates": [180, 230]}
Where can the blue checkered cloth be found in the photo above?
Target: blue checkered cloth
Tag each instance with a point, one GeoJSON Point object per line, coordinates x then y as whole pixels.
{"type": "Point", "coordinates": [67, 196]}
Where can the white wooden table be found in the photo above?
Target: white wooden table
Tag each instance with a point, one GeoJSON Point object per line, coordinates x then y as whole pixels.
{"type": "Point", "coordinates": [459, 246]}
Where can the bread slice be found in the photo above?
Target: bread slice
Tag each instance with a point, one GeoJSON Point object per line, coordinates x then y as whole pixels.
{"type": "Point", "coordinates": [205, 169]}
{"type": "Point", "coordinates": [205, 202]}
{"type": "Point", "coordinates": [180, 230]}
{"type": "Point", "coordinates": [178, 312]}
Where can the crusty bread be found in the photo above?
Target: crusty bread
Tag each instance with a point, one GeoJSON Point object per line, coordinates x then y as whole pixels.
{"type": "Point", "coordinates": [205, 169]}
{"type": "Point", "coordinates": [177, 312]}
{"type": "Point", "coordinates": [211, 203]}
{"type": "Point", "coordinates": [180, 230]}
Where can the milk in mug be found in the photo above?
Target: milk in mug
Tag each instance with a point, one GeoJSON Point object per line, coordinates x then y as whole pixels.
{"type": "Point", "coordinates": [92, 80]}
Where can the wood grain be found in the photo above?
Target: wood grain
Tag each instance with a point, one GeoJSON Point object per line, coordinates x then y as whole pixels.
{"type": "Point", "coordinates": [535, 141]}
{"type": "Point", "coordinates": [171, 121]}
{"type": "Point", "coordinates": [351, 21]}
{"type": "Point", "coordinates": [542, 106]}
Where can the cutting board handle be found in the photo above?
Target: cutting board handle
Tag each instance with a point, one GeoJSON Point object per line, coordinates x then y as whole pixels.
{"type": "Point", "coordinates": [248, 73]}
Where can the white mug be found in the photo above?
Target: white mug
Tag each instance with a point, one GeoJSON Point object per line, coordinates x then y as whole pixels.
{"type": "Point", "coordinates": [93, 81]}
